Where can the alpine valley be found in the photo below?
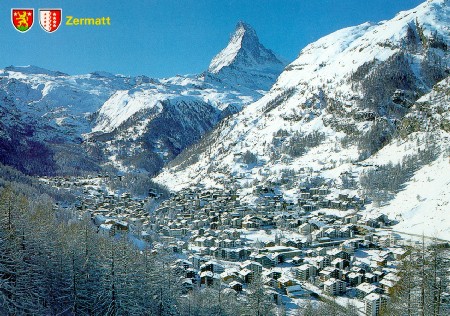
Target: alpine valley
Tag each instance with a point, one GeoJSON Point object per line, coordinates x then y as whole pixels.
{"type": "Point", "coordinates": [257, 187]}
{"type": "Point", "coordinates": [357, 109]}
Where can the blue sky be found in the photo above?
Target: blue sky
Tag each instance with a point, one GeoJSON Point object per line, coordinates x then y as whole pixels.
{"type": "Point", "coordinates": [162, 38]}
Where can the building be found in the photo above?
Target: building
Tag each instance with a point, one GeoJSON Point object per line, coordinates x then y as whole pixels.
{"type": "Point", "coordinates": [334, 287]}
{"type": "Point", "coordinates": [373, 303]}
{"type": "Point", "coordinates": [306, 271]}
{"type": "Point", "coordinates": [295, 291]}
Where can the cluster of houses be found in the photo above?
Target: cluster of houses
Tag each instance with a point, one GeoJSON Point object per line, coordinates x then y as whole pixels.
{"type": "Point", "coordinates": [311, 199]}
{"type": "Point", "coordinates": [110, 212]}
{"type": "Point", "coordinates": [304, 251]}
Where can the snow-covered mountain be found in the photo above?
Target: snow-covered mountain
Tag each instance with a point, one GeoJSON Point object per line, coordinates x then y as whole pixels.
{"type": "Point", "coordinates": [44, 114]}
{"type": "Point", "coordinates": [128, 122]}
{"type": "Point", "coordinates": [344, 109]}
{"type": "Point", "coordinates": [245, 62]}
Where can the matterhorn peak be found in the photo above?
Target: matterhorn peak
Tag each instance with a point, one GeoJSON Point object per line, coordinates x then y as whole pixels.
{"type": "Point", "coordinates": [243, 50]}
{"type": "Point", "coordinates": [244, 54]}
{"type": "Point", "coordinates": [246, 34]}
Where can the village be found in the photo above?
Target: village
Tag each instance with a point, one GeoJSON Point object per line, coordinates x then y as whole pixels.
{"type": "Point", "coordinates": [299, 249]}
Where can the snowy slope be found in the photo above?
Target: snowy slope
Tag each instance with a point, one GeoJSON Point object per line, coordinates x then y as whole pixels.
{"type": "Point", "coordinates": [336, 56]}
{"type": "Point", "coordinates": [58, 99]}
{"type": "Point", "coordinates": [355, 84]}
{"type": "Point", "coordinates": [121, 106]}
{"type": "Point", "coordinates": [422, 207]}
{"type": "Point", "coordinates": [124, 104]}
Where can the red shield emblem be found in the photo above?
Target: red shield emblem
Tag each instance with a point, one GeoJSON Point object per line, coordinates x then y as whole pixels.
{"type": "Point", "coordinates": [22, 19]}
{"type": "Point", "coordinates": [50, 19]}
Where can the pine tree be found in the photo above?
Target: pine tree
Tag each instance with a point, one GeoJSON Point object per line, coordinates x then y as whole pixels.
{"type": "Point", "coordinates": [258, 302]}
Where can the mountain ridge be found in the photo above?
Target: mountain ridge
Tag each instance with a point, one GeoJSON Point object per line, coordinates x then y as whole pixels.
{"type": "Point", "coordinates": [89, 110]}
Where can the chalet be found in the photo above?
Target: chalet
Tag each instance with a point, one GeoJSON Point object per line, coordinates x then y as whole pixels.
{"type": "Point", "coordinates": [183, 263]}
{"type": "Point", "coordinates": [380, 261]}
{"type": "Point", "coordinates": [384, 241]}
{"type": "Point", "coordinates": [388, 282]}
{"type": "Point", "coordinates": [358, 269]}
{"type": "Point", "coordinates": [191, 273]}
{"type": "Point", "coordinates": [399, 253]}
{"type": "Point", "coordinates": [394, 238]}
{"type": "Point", "coordinates": [284, 282]}
{"type": "Point", "coordinates": [291, 243]}
{"type": "Point", "coordinates": [297, 260]}
{"type": "Point", "coordinates": [337, 253]}
{"type": "Point", "coordinates": [264, 260]}
{"type": "Point", "coordinates": [235, 285]}
{"type": "Point", "coordinates": [351, 219]}
{"type": "Point", "coordinates": [286, 255]}
{"type": "Point", "coordinates": [340, 263]}
{"type": "Point", "coordinates": [246, 275]}
{"type": "Point", "coordinates": [229, 275]}
{"type": "Point", "coordinates": [226, 243]}
{"type": "Point", "coordinates": [305, 229]}
{"type": "Point", "coordinates": [349, 246]}
{"type": "Point", "coordinates": [187, 285]}
{"type": "Point", "coordinates": [200, 241]}
{"type": "Point", "coordinates": [371, 278]}
{"type": "Point", "coordinates": [252, 266]}
{"type": "Point", "coordinates": [325, 203]}
{"type": "Point", "coordinates": [197, 261]}
{"type": "Point", "coordinates": [100, 219]}
{"type": "Point", "coordinates": [344, 232]}
{"type": "Point", "coordinates": [209, 241]}
{"type": "Point", "coordinates": [207, 278]}
{"type": "Point", "coordinates": [274, 273]}
{"type": "Point", "coordinates": [235, 254]}
{"type": "Point", "coordinates": [276, 297]}
{"type": "Point", "coordinates": [250, 224]}
{"type": "Point", "coordinates": [320, 262]}
{"type": "Point", "coordinates": [336, 204]}
{"type": "Point", "coordinates": [320, 251]}
{"type": "Point", "coordinates": [212, 266]}
{"type": "Point", "coordinates": [176, 232]}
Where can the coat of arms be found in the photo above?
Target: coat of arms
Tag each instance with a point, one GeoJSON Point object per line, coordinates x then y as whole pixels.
{"type": "Point", "coordinates": [50, 19]}
{"type": "Point", "coordinates": [22, 19]}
